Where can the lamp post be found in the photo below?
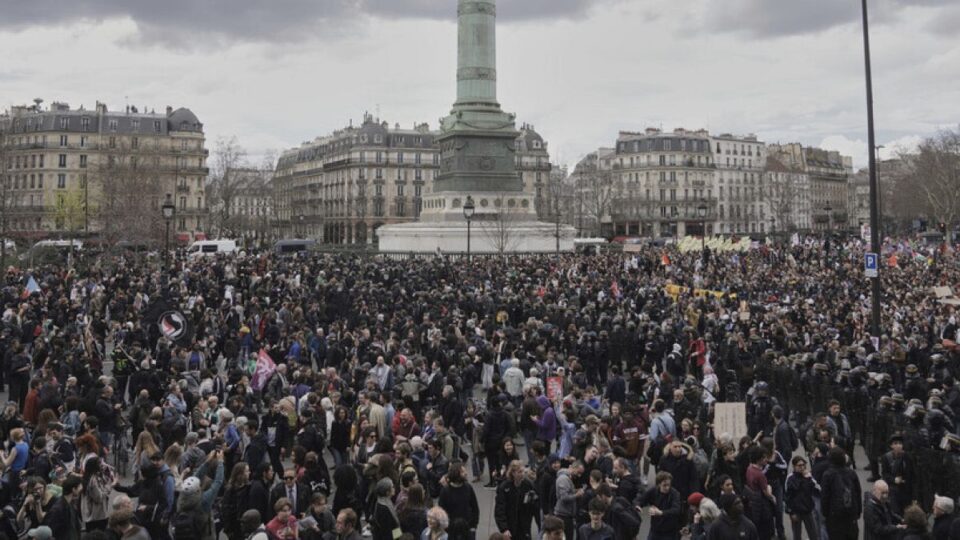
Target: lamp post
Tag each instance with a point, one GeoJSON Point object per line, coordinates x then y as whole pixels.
{"type": "Point", "coordinates": [879, 195]}
{"type": "Point", "coordinates": [168, 209]}
{"type": "Point", "coordinates": [874, 185]}
{"type": "Point", "coordinates": [773, 225]}
{"type": "Point", "coordinates": [468, 209]}
{"type": "Point", "coordinates": [702, 214]}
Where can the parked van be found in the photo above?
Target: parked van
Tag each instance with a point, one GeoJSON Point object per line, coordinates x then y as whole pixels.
{"type": "Point", "coordinates": [210, 248]}
{"type": "Point", "coordinates": [293, 246]}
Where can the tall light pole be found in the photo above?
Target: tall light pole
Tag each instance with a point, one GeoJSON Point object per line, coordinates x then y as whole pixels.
{"type": "Point", "coordinates": [468, 209]}
{"type": "Point", "coordinates": [879, 192]}
{"type": "Point", "coordinates": [874, 188]}
{"type": "Point", "coordinates": [556, 216]}
{"type": "Point", "coordinates": [168, 209]}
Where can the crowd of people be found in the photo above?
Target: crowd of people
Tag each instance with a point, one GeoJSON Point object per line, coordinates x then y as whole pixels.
{"type": "Point", "coordinates": [340, 397]}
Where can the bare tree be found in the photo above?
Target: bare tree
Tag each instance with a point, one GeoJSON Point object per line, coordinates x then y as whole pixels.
{"type": "Point", "coordinates": [600, 189]}
{"type": "Point", "coordinates": [228, 156]}
{"type": "Point", "coordinates": [128, 180]}
{"type": "Point", "coordinates": [70, 213]}
{"type": "Point", "coordinates": [500, 227]}
{"type": "Point", "coordinates": [935, 172]}
{"type": "Point", "coordinates": [783, 199]}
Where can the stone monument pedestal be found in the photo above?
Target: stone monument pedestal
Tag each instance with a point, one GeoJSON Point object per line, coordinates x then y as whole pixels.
{"type": "Point", "coordinates": [485, 237]}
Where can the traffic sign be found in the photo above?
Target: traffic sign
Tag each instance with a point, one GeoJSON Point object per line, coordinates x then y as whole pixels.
{"type": "Point", "coordinates": [870, 265]}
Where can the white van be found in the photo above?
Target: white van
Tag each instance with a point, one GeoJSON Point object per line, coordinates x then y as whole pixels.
{"type": "Point", "coordinates": [210, 248]}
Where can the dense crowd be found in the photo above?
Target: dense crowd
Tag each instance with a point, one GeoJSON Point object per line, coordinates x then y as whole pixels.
{"type": "Point", "coordinates": [335, 397]}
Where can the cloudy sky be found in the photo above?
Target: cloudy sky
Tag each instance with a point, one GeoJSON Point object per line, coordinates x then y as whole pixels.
{"type": "Point", "coordinates": [275, 73]}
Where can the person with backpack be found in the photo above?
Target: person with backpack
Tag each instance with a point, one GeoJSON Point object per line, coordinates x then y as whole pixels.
{"type": "Point", "coordinates": [621, 514]}
{"type": "Point", "coordinates": [154, 495]}
{"type": "Point", "coordinates": [841, 497]}
{"type": "Point", "coordinates": [194, 517]}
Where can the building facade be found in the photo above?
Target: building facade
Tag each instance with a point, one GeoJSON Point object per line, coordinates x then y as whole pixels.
{"type": "Point", "coordinates": [788, 197]}
{"type": "Point", "coordinates": [102, 173]}
{"type": "Point", "coordinates": [341, 188]}
{"type": "Point", "coordinates": [828, 173]}
{"type": "Point", "coordinates": [742, 204]}
{"type": "Point", "coordinates": [251, 206]}
{"type": "Point", "coordinates": [661, 184]}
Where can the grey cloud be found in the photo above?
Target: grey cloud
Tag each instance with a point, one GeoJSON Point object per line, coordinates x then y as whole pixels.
{"type": "Point", "coordinates": [783, 18]}
{"type": "Point", "coordinates": [183, 23]}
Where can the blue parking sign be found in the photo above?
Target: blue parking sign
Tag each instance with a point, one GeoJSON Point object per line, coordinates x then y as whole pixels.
{"type": "Point", "coordinates": [870, 265]}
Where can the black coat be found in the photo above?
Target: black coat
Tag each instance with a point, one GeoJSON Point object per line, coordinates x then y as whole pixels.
{"type": "Point", "coordinates": [258, 498]}
{"type": "Point", "coordinates": [799, 494]}
{"type": "Point", "coordinates": [725, 529]}
{"type": "Point", "coordinates": [460, 503]}
{"type": "Point", "coordinates": [304, 495]}
{"type": "Point", "coordinates": [879, 521]}
{"type": "Point", "coordinates": [382, 523]}
{"type": "Point", "coordinates": [515, 507]}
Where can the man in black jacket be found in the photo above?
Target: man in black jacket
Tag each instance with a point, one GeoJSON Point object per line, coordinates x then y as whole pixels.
{"type": "Point", "coordinates": [666, 508]}
{"type": "Point", "coordinates": [516, 503]}
{"type": "Point", "coordinates": [879, 521]}
{"type": "Point", "coordinates": [259, 496]}
{"type": "Point", "coordinates": [841, 500]}
{"type": "Point", "coordinates": [732, 524]}
{"type": "Point", "coordinates": [299, 493]}
{"type": "Point", "coordinates": [64, 516]}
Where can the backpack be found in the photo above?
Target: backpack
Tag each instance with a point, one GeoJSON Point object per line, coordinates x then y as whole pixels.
{"type": "Point", "coordinates": [185, 526]}
{"type": "Point", "coordinates": [628, 520]}
{"type": "Point", "coordinates": [844, 501]}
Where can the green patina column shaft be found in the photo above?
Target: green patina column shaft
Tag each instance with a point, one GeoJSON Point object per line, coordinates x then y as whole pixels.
{"type": "Point", "coordinates": [477, 53]}
{"type": "Point", "coordinates": [477, 152]}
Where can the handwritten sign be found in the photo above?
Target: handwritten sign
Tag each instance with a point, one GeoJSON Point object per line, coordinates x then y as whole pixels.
{"type": "Point", "coordinates": [730, 418]}
{"type": "Point", "coordinates": [554, 388]}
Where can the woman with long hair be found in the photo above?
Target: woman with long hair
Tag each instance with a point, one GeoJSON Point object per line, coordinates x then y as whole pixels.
{"type": "Point", "coordinates": [340, 437]}
{"type": "Point", "coordinates": [172, 458]}
{"type": "Point", "coordinates": [142, 450]}
{"type": "Point", "coordinates": [234, 502]}
{"type": "Point", "coordinates": [413, 517]}
{"type": "Point", "coordinates": [95, 497]}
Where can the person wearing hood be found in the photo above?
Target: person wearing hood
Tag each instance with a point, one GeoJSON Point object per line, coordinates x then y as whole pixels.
{"type": "Point", "coordinates": [546, 422]}
{"type": "Point", "coordinates": [196, 502]}
{"type": "Point", "coordinates": [732, 524]}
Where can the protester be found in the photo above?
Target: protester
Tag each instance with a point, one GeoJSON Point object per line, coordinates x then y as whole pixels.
{"type": "Point", "coordinates": [399, 371]}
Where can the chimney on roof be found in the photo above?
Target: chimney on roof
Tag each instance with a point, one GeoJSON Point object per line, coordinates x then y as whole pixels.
{"type": "Point", "coordinates": [101, 108]}
{"type": "Point", "coordinates": [169, 110]}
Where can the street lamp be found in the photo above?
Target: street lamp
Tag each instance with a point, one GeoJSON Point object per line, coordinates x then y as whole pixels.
{"type": "Point", "coordinates": [773, 225]}
{"type": "Point", "coordinates": [468, 209]}
{"type": "Point", "coordinates": [702, 214]}
{"type": "Point", "coordinates": [168, 209]}
{"type": "Point", "coordinates": [829, 210]}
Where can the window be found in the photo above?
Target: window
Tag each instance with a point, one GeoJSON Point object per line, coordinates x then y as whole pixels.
{"type": "Point", "coordinates": [112, 142]}
{"type": "Point", "coordinates": [399, 190]}
{"type": "Point", "coordinates": [85, 123]}
{"type": "Point", "coordinates": [401, 208]}
{"type": "Point", "coordinates": [64, 123]}
{"type": "Point", "coordinates": [61, 181]}
{"type": "Point", "coordinates": [417, 191]}
{"type": "Point", "coordinates": [663, 159]}
{"type": "Point", "coordinates": [63, 140]}
{"type": "Point", "coordinates": [62, 162]}
{"type": "Point", "coordinates": [40, 181]}
{"type": "Point", "coordinates": [135, 142]}
{"type": "Point", "coordinates": [418, 174]}
{"type": "Point", "coordinates": [199, 202]}
{"type": "Point", "coordinates": [156, 126]}
{"type": "Point", "coordinates": [183, 202]}
{"type": "Point", "coordinates": [378, 190]}
{"type": "Point", "coordinates": [363, 157]}
{"type": "Point", "coordinates": [379, 157]}
{"type": "Point", "coordinates": [113, 125]}
{"type": "Point", "coordinates": [83, 161]}
{"type": "Point", "coordinates": [400, 156]}
{"type": "Point", "coordinates": [379, 174]}
{"type": "Point", "coordinates": [33, 161]}
{"type": "Point", "coordinates": [378, 139]}
{"type": "Point", "coordinates": [135, 124]}
{"type": "Point", "coordinates": [83, 142]}
{"type": "Point", "coordinates": [436, 159]}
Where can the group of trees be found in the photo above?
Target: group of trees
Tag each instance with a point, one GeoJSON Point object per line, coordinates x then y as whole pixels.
{"type": "Point", "coordinates": [930, 185]}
